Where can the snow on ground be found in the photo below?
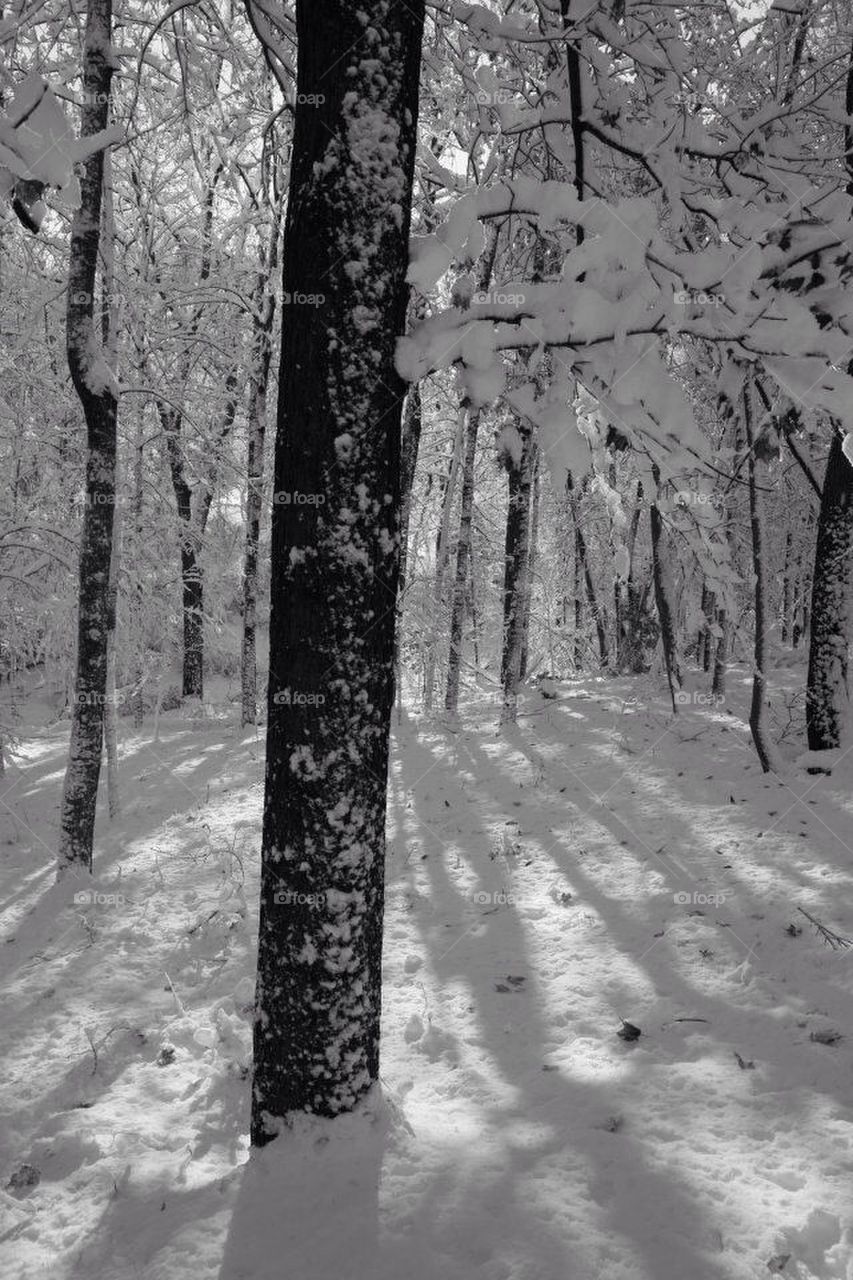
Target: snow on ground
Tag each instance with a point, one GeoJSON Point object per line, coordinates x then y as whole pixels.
{"type": "Point", "coordinates": [600, 862]}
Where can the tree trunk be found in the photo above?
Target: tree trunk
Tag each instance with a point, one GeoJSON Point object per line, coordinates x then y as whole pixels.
{"type": "Point", "coordinates": [442, 561]}
{"type": "Point", "coordinates": [786, 589]}
{"type": "Point", "coordinates": [110, 702]}
{"type": "Point", "coordinates": [256, 432]}
{"type": "Point", "coordinates": [516, 572]}
{"type": "Point", "coordinates": [531, 562]}
{"type": "Point", "coordinates": [335, 563]}
{"type": "Point", "coordinates": [718, 680]}
{"type": "Point", "coordinates": [463, 554]}
{"type": "Point", "coordinates": [758, 706]}
{"type": "Point", "coordinates": [95, 388]}
{"type": "Point", "coordinates": [666, 615]}
{"type": "Point", "coordinates": [826, 688]}
{"type": "Point", "coordinates": [582, 567]}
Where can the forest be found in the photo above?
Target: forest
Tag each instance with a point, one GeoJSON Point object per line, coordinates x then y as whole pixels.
{"type": "Point", "coordinates": [426, 567]}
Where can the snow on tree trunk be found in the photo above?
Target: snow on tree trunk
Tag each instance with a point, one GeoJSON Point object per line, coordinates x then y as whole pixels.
{"type": "Point", "coordinates": [826, 688]}
{"type": "Point", "coordinates": [335, 560]}
{"type": "Point", "coordinates": [95, 386]}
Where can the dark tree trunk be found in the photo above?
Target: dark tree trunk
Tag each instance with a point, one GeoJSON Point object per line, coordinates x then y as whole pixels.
{"type": "Point", "coordinates": [442, 562]}
{"type": "Point", "coordinates": [95, 388]}
{"type": "Point", "coordinates": [463, 555]}
{"type": "Point", "coordinates": [335, 561]}
{"type": "Point", "coordinates": [192, 525]}
{"type": "Point", "coordinates": [666, 614]}
{"type": "Point", "coordinates": [632, 656]}
{"type": "Point", "coordinates": [582, 569]}
{"type": "Point", "coordinates": [786, 590]}
{"type": "Point", "coordinates": [826, 689]}
{"type": "Point", "coordinates": [758, 706]}
{"type": "Point", "coordinates": [535, 497]}
{"type": "Point", "coordinates": [516, 571]}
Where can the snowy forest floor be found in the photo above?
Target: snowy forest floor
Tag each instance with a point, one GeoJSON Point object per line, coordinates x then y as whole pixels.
{"type": "Point", "coordinates": [601, 861]}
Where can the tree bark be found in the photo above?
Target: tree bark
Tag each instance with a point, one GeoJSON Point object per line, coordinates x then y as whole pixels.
{"type": "Point", "coordinates": [256, 432]}
{"type": "Point", "coordinates": [442, 561]}
{"type": "Point", "coordinates": [827, 691]}
{"type": "Point", "coordinates": [666, 614]}
{"type": "Point", "coordinates": [335, 562]}
{"type": "Point", "coordinates": [582, 569]}
{"type": "Point", "coordinates": [516, 571]}
{"type": "Point", "coordinates": [718, 680]}
{"type": "Point", "coordinates": [93, 381]}
{"type": "Point", "coordinates": [463, 554]}
{"type": "Point", "coordinates": [758, 706]}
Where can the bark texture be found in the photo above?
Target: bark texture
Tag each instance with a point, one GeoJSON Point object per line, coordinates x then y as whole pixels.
{"type": "Point", "coordinates": [335, 561]}
{"type": "Point", "coordinates": [95, 387]}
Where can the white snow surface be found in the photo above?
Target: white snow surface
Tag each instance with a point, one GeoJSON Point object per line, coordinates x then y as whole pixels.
{"type": "Point", "coordinates": [602, 861]}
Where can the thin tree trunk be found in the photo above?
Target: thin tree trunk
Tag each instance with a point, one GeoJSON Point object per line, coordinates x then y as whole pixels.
{"type": "Point", "coordinates": [138, 597]}
{"type": "Point", "coordinates": [582, 567]}
{"type": "Point", "coordinates": [256, 432]}
{"type": "Point", "coordinates": [463, 552]}
{"type": "Point", "coordinates": [786, 589]}
{"type": "Point", "coordinates": [516, 572]}
{"type": "Point", "coordinates": [666, 615]}
{"type": "Point", "coordinates": [463, 545]}
{"type": "Point", "coordinates": [718, 680]}
{"type": "Point", "coordinates": [110, 702]}
{"type": "Point", "coordinates": [95, 387]}
{"type": "Point", "coordinates": [442, 561]}
{"type": "Point", "coordinates": [335, 565]}
{"type": "Point", "coordinates": [758, 706]}
{"type": "Point", "coordinates": [410, 444]}
{"type": "Point", "coordinates": [531, 563]}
